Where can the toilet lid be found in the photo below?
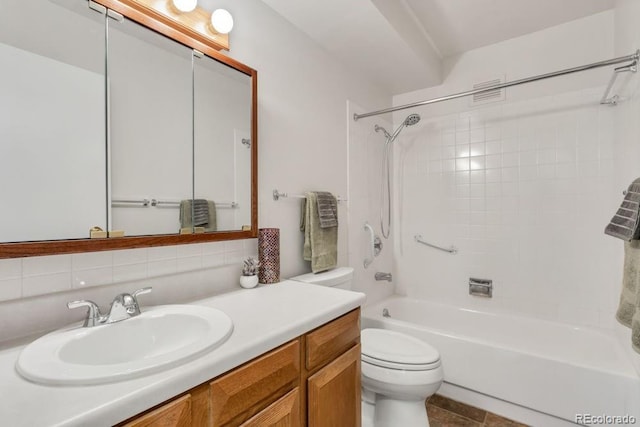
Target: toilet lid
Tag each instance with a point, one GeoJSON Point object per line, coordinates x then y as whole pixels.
{"type": "Point", "coordinates": [395, 350]}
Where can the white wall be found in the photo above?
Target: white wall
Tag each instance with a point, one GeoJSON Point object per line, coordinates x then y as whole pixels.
{"type": "Point", "coordinates": [302, 111]}
{"type": "Point", "coordinates": [302, 121]}
{"type": "Point", "coordinates": [523, 188]}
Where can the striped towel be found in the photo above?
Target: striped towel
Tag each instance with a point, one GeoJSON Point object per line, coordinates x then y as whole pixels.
{"type": "Point", "coordinates": [327, 209]}
{"type": "Point", "coordinates": [625, 223]}
{"type": "Point", "coordinates": [200, 213]}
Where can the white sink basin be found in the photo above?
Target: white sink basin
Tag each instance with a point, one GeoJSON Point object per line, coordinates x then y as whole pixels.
{"type": "Point", "coordinates": [159, 338]}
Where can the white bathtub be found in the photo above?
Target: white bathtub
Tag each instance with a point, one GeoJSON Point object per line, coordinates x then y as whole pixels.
{"type": "Point", "coordinates": [548, 367]}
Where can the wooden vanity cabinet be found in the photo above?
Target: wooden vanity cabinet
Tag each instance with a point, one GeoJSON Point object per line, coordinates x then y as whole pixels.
{"type": "Point", "coordinates": [176, 413]}
{"type": "Point", "coordinates": [247, 390]}
{"type": "Point", "coordinates": [283, 412]}
{"type": "Point", "coordinates": [313, 380]}
{"type": "Point", "coordinates": [332, 373]}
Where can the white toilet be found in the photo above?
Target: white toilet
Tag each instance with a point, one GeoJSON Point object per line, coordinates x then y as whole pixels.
{"type": "Point", "coordinates": [398, 371]}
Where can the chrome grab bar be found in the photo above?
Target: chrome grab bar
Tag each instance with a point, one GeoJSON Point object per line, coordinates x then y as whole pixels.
{"type": "Point", "coordinates": [374, 243]}
{"type": "Point", "coordinates": [452, 249]}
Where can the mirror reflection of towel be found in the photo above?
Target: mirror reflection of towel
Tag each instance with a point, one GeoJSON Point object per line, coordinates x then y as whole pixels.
{"type": "Point", "coordinates": [185, 215]}
{"type": "Point", "coordinates": [200, 213]}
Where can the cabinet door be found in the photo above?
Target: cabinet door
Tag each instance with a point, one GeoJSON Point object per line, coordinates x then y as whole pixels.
{"type": "Point", "coordinates": [334, 392]}
{"type": "Point", "coordinates": [176, 413]}
{"type": "Point", "coordinates": [285, 412]}
{"type": "Point", "coordinates": [244, 392]}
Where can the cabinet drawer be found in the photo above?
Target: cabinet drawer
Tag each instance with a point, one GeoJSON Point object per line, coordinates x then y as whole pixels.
{"type": "Point", "coordinates": [176, 413]}
{"type": "Point", "coordinates": [283, 412]}
{"type": "Point", "coordinates": [329, 341]}
{"type": "Point", "coordinates": [244, 392]}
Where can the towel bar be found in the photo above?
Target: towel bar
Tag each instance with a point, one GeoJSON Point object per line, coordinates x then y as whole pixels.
{"type": "Point", "coordinates": [164, 203]}
{"type": "Point", "coordinates": [277, 195]}
{"type": "Point", "coordinates": [452, 250]}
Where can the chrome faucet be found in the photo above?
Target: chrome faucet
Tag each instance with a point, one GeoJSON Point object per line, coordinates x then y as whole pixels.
{"type": "Point", "coordinates": [383, 276]}
{"type": "Point", "coordinates": [124, 306]}
{"type": "Point", "coordinates": [93, 314]}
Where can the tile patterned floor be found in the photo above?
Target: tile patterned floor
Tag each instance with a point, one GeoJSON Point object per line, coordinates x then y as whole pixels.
{"type": "Point", "coordinates": [444, 412]}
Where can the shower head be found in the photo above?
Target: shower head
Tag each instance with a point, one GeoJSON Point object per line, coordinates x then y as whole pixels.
{"type": "Point", "coordinates": [411, 120]}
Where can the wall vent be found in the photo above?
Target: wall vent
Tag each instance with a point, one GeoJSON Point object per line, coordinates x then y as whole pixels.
{"type": "Point", "coordinates": [495, 95]}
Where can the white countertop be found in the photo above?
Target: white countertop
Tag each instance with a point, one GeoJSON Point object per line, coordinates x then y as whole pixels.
{"type": "Point", "coordinates": [263, 318]}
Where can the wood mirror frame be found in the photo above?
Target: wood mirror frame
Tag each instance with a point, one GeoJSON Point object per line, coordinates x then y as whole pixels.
{"type": "Point", "coordinates": [188, 37]}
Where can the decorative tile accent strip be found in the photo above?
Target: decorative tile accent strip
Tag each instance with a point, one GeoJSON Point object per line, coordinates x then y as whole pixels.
{"type": "Point", "coordinates": [269, 255]}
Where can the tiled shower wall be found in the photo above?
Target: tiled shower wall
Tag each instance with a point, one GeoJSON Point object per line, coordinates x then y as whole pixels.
{"type": "Point", "coordinates": [523, 190]}
{"type": "Point", "coordinates": [523, 187]}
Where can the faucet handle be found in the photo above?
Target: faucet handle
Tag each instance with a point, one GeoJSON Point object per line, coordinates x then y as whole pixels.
{"type": "Point", "coordinates": [93, 313]}
{"type": "Point", "coordinates": [142, 291]}
{"type": "Point", "coordinates": [135, 294]}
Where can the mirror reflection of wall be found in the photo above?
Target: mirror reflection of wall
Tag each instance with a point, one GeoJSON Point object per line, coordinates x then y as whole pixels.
{"type": "Point", "coordinates": [52, 132]}
{"type": "Point", "coordinates": [150, 129]}
{"type": "Point", "coordinates": [222, 162]}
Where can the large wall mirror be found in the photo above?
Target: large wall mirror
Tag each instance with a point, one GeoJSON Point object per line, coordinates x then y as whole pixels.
{"type": "Point", "coordinates": [123, 122]}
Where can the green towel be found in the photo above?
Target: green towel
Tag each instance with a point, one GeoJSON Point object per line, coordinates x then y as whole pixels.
{"type": "Point", "coordinates": [186, 220]}
{"type": "Point", "coordinates": [320, 244]}
{"type": "Point", "coordinates": [629, 309]}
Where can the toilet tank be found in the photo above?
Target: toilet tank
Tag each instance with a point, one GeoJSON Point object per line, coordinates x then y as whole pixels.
{"type": "Point", "coordinates": [340, 277]}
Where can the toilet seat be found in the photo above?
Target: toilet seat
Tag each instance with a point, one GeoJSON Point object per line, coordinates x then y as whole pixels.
{"type": "Point", "coordinates": [394, 350]}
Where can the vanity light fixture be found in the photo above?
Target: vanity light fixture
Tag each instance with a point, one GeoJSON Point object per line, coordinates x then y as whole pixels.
{"type": "Point", "coordinates": [222, 21]}
{"type": "Point", "coordinates": [185, 5]}
{"type": "Point", "coordinates": [192, 18]}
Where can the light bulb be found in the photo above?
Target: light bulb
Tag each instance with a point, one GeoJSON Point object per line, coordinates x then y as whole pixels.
{"type": "Point", "coordinates": [185, 5]}
{"type": "Point", "coordinates": [222, 21]}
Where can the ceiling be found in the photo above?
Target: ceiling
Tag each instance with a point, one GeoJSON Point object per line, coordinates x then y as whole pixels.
{"type": "Point", "coordinates": [400, 44]}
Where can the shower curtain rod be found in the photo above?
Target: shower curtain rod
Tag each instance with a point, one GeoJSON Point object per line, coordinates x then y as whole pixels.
{"type": "Point", "coordinates": [634, 57]}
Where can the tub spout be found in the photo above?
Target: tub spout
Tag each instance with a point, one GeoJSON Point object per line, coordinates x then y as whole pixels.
{"type": "Point", "coordinates": [383, 276]}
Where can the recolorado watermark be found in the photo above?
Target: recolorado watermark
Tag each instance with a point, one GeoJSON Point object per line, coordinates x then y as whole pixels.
{"type": "Point", "coordinates": [590, 419]}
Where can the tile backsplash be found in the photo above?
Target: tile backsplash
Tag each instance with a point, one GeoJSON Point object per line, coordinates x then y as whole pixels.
{"type": "Point", "coordinates": [35, 276]}
{"type": "Point", "coordinates": [34, 291]}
